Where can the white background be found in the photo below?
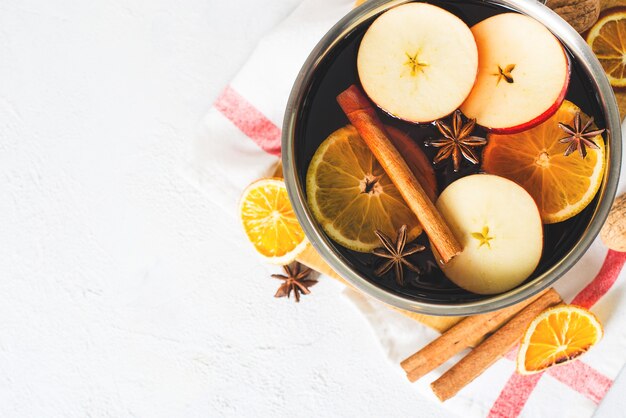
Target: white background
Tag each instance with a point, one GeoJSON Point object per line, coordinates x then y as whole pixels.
{"type": "Point", "coordinates": [123, 291]}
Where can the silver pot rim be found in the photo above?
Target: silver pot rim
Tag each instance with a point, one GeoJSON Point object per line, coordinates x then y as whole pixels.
{"type": "Point", "coordinates": [605, 96]}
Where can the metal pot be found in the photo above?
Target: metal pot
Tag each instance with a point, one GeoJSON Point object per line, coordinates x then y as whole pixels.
{"type": "Point", "coordinates": [604, 96]}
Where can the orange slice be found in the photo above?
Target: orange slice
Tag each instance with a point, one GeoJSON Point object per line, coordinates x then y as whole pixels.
{"type": "Point", "coordinates": [607, 39]}
{"type": "Point", "coordinates": [270, 223]}
{"type": "Point", "coordinates": [557, 336]}
{"type": "Point", "coordinates": [561, 186]}
{"type": "Point", "coordinates": [351, 196]}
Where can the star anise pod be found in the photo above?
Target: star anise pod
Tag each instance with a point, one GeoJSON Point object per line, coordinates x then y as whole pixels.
{"type": "Point", "coordinates": [456, 141]}
{"type": "Point", "coordinates": [579, 138]}
{"type": "Point", "coordinates": [295, 280]}
{"type": "Point", "coordinates": [395, 254]}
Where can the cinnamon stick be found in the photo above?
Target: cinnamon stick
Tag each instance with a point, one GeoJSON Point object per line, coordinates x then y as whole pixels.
{"type": "Point", "coordinates": [465, 334]}
{"type": "Point", "coordinates": [494, 347]}
{"type": "Point", "coordinates": [363, 117]}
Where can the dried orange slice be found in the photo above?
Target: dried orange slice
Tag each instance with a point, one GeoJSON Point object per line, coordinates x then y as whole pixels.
{"type": "Point", "coordinates": [351, 196]}
{"type": "Point", "coordinates": [607, 39]}
{"type": "Point", "coordinates": [561, 186]}
{"type": "Point", "coordinates": [270, 223]}
{"type": "Point", "coordinates": [556, 336]}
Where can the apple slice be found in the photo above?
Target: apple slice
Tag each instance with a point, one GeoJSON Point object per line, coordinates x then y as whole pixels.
{"type": "Point", "coordinates": [418, 62]}
{"type": "Point", "coordinates": [499, 226]}
{"type": "Point", "coordinates": [523, 74]}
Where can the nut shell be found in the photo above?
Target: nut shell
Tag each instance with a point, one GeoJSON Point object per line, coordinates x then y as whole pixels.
{"type": "Point", "coordinates": [607, 4]}
{"type": "Point", "coordinates": [613, 232]}
{"type": "Point", "coordinates": [581, 14]}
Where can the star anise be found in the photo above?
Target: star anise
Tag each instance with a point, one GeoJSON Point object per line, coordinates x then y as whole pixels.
{"type": "Point", "coordinates": [579, 138]}
{"type": "Point", "coordinates": [295, 280]}
{"type": "Point", "coordinates": [395, 254]}
{"type": "Point", "coordinates": [456, 141]}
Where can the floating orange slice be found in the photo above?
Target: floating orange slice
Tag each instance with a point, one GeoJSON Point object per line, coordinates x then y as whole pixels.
{"type": "Point", "coordinates": [607, 38]}
{"type": "Point", "coordinates": [557, 336]}
{"type": "Point", "coordinates": [351, 196]}
{"type": "Point", "coordinates": [270, 223]}
{"type": "Point", "coordinates": [561, 186]}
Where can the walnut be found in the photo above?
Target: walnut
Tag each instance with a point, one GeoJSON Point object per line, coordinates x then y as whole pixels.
{"type": "Point", "coordinates": [581, 14]}
{"type": "Point", "coordinates": [607, 4]}
{"type": "Point", "coordinates": [613, 232]}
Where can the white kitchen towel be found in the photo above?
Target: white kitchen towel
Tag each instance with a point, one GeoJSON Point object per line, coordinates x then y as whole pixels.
{"type": "Point", "coordinates": [238, 142]}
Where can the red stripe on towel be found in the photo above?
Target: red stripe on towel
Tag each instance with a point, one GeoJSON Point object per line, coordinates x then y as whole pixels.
{"type": "Point", "coordinates": [583, 379]}
{"type": "Point", "coordinates": [518, 389]}
{"type": "Point", "coordinates": [514, 395]}
{"type": "Point", "coordinates": [579, 376]}
{"type": "Point", "coordinates": [249, 120]}
{"type": "Point", "coordinates": [606, 277]}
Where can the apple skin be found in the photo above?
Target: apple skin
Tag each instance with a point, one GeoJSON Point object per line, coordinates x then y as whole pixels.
{"type": "Point", "coordinates": [545, 115]}
{"type": "Point", "coordinates": [483, 102]}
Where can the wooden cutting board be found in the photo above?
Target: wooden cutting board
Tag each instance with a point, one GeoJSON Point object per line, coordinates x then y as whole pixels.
{"type": "Point", "coordinates": [312, 259]}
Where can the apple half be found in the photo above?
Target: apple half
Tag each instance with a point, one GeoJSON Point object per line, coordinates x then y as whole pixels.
{"type": "Point", "coordinates": [418, 62]}
{"type": "Point", "coordinates": [523, 74]}
{"type": "Point", "coordinates": [498, 224]}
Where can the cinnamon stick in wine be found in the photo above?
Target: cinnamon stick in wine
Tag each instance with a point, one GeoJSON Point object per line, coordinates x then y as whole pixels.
{"type": "Point", "coordinates": [363, 117]}
{"type": "Point", "coordinates": [465, 334]}
{"type": "Point", "coordinates": [494, 347]}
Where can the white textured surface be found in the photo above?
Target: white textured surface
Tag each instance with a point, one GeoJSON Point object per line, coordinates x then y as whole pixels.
{"type": "Point", "coordinates": [123, 291]}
